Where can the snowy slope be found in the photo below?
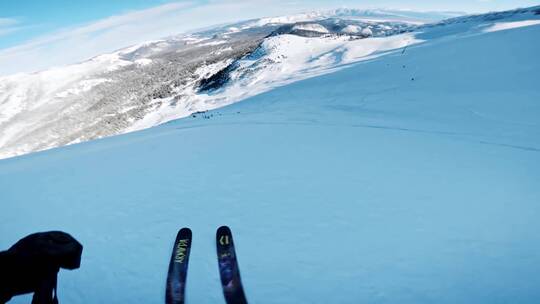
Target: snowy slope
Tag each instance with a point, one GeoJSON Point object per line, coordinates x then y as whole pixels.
{"type": "Point", "coordinates": [27, 101]}
{"type": "Point", "coordinates": [279, 60]}
{"type": "Point", "coordinates": [358, 186]}
{"type": "Point", "coordinates": [154, 82]}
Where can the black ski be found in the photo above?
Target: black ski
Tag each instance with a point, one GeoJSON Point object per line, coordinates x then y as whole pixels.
{"type": "Point", "coordinates": [176, 278]}
{"type": "Point", "coordinates": [228, 267]}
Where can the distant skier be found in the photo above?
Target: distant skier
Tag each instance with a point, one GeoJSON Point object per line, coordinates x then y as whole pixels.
{"type": "Point", "coordinates": [32, 265]}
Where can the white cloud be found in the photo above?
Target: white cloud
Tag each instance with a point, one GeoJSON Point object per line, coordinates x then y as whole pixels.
{"type": "Point", "coordinates": [8, 25]}
{"type": "Point", "coordinates": [7, 30]}
{"type": "Point", "coordinates": [7, 22]}
{"type": "Point", "coordinates": [79, 43]}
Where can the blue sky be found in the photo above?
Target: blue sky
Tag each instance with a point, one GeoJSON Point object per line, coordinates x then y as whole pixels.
{"type": "Point", "coordinates": [35, 34]}
{"type": "Point", "coordinates": [31, 18]}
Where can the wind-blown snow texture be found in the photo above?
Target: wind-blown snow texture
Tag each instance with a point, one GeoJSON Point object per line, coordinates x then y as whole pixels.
{"type": "Point", "coordinates": [409, 178]}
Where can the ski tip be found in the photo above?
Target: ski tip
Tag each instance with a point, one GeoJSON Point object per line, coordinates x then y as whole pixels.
{"type": "Point", "coordinates": [185, 231]}
{"type": "Point", "coordinates": [223, 230]}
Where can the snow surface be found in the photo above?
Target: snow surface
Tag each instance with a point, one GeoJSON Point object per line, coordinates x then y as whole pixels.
{"type": "Point", "coordinates": [313, 27]}
{"type": "Point", "coordinates": [143, 61]}
{"type": "Point", "coordinates": [367, 31]}
{"type": "Point", "coordinates": [511, 25]}
{"type": "Point", "coordinates": [351, 29]}
{"type": "Point", "coordinates": [408, 178]}
{"type": "Point", "coordinates": [40, 94]}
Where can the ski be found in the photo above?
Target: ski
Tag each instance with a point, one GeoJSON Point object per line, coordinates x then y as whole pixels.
{"type": "Point", "coordinates": [228, 267]}
{"type": "Point", "coordinates": [178, 266]}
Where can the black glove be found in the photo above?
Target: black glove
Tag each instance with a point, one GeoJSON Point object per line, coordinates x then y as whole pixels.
{"type": "Point", "coordinates": [32, 265]}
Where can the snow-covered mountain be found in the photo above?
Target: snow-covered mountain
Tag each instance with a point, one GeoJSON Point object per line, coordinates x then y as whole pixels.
{"type": "Point", "coordinates": [148, 84]}
{"type": "Point", "coordinates": [409, 177]}
{"type": "Point", "coordinates": [155, 82]}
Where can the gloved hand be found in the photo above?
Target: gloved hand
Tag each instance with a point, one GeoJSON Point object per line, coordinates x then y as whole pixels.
{"type": "Point", "coordinates": [32, 265]}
